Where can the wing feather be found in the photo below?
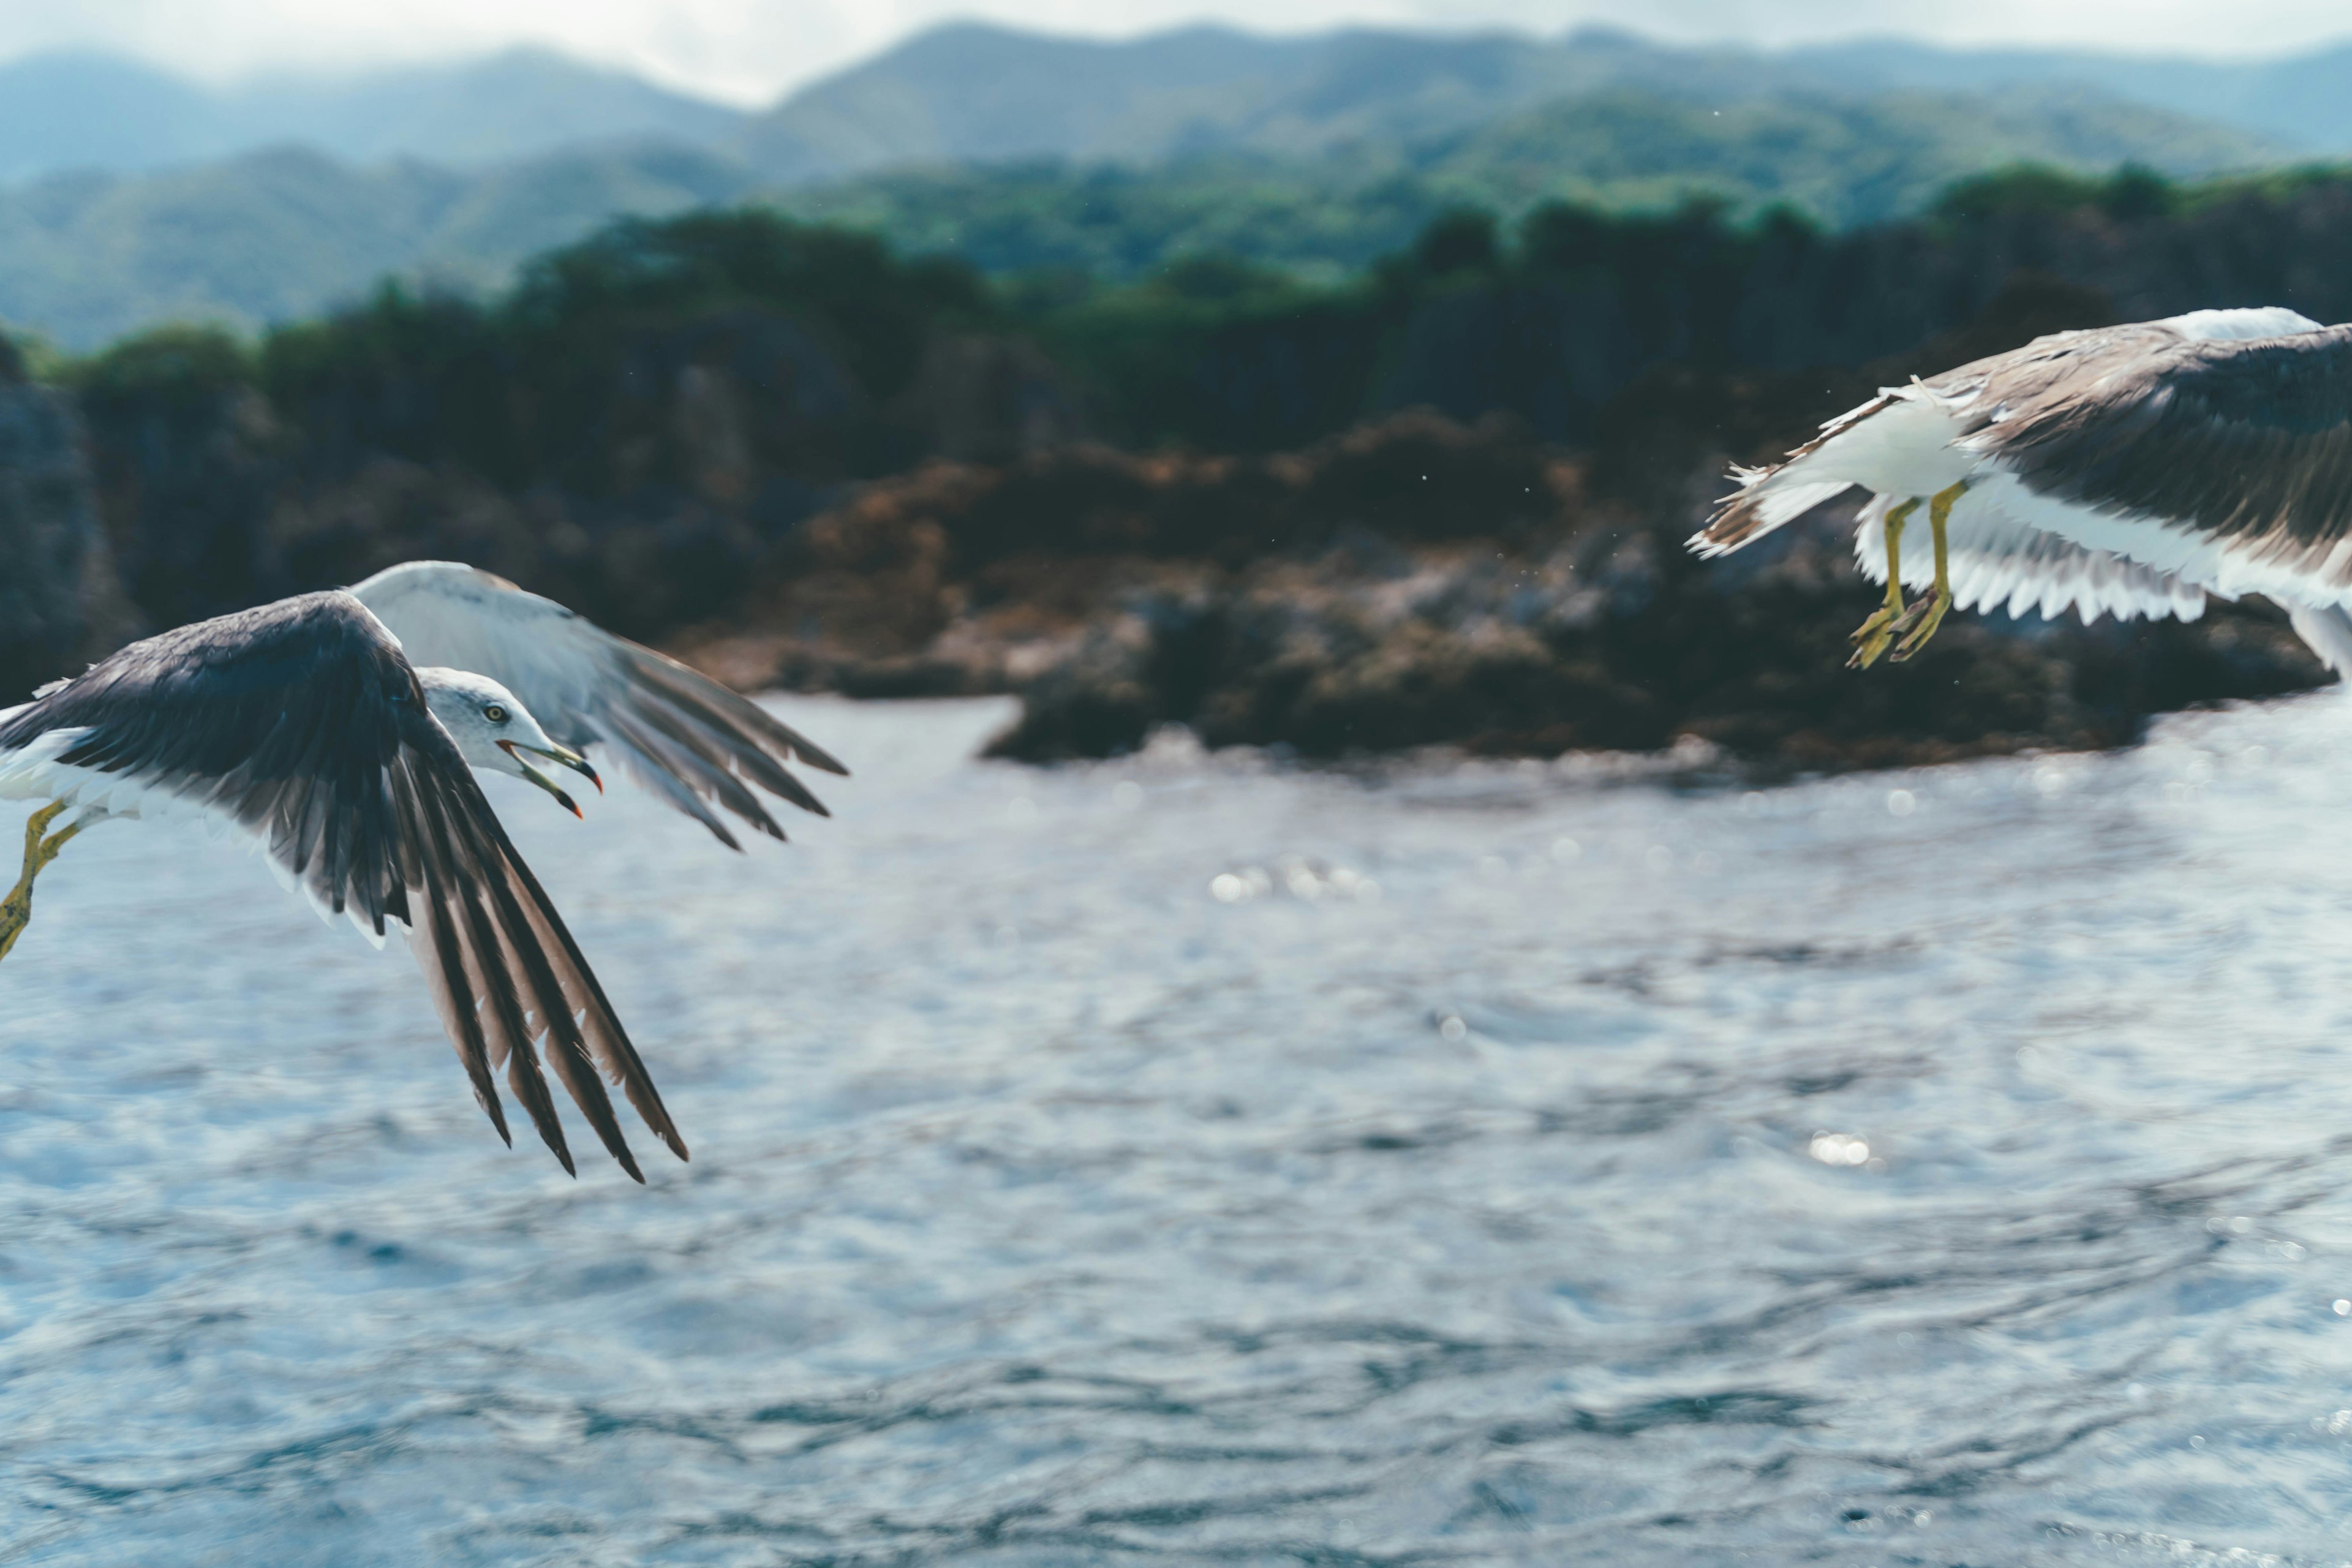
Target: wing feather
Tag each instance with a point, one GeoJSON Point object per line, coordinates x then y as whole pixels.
{"type": "Point", "coordinates": [2237, 439]}
{"type": "Point", "coordinates": [674, 730]}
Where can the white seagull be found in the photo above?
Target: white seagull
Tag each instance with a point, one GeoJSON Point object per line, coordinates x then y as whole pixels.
{"type": "Point", "coordinates": [2124, 471]}
{"type": "Point", "coordinates": [308, 728]}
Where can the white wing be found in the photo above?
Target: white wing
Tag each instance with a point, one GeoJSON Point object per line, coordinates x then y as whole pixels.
{"type": "Point", "coordinates": [1998, 563]}
{"type": "Point", "coordinates": [675, 731]}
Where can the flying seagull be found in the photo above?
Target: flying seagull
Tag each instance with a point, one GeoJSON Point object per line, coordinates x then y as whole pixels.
{"type": "Point", "coordinates": [2126, 470]}
{"type": "Point", "coordinates": [305, 726]}
{"type": "Point", "coordinates": [678, 732]}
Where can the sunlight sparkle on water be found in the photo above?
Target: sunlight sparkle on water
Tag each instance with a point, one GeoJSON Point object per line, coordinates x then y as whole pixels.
{"type": "Point", "coordinates": [1839, 1149]}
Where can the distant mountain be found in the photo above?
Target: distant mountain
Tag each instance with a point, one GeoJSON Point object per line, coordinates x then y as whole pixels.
{"type": "Point", "coordinates": [271, 235]}
{"type": "Point", "coordinates": [88, 112]}
{"type": "Point", "coordinates": [1843, 160]}
{"type": "Point", "coordinates": [971, 92]}
{"type": "Point", "coordinates": [1023, 151]}
{"type": "Point", "coordinates": [2304, 102]}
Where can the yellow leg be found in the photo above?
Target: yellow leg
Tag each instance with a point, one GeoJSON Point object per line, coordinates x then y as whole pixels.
{"type": "Point", "coordinates": [1871, 638]}
{"type": "Point", "coordinates": [1922, 619]}
{"type": "Point", "coordinates": [17, 909]}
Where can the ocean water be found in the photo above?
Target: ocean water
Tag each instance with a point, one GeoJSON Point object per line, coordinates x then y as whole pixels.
{"type": "Point", "coordinates": [1197, 1160]}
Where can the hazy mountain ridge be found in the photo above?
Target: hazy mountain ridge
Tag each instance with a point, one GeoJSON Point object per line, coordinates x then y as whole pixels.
{"type": "Point", "coordinates": [2304, 102]}
{"type": "Point", "coordinates": [93, 111]}
{"type": "Point", "coordinates": [973, 93]}
{"type": "Point", "coordinates": [287, 232]}
{"type": "Point", "coordinates": [278, 234]}
{"type": "Point", "coordinates": [1019, 151]}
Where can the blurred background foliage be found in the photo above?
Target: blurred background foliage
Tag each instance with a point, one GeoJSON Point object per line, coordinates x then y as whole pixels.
{"type": "Point", "coordinates": [892, 471]}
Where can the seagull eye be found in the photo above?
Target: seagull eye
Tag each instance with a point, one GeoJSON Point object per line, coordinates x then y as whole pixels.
{"type": "Point", "coordinates": [494, 714]}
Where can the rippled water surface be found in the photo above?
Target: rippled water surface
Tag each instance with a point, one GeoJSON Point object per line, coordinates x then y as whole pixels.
{"type": "Point", "coordinates": [1199, 1161]}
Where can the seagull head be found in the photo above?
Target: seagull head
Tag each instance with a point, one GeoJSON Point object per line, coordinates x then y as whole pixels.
{"type": "Point", "coordinates": [496, 732]}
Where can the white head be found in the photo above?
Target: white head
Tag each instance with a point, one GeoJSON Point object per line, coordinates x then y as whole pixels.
{"type": "Point", "coordinates": [493, 730]}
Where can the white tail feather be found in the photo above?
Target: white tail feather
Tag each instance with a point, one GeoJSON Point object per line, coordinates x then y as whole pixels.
{"type": "Point", "coordinates": [2329, 630]}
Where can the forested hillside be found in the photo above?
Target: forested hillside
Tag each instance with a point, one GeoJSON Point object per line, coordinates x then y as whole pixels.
{"type": "Point", "coordinates": [275, 235]}
{"type": "Point", "coordinates": [1838, 162]}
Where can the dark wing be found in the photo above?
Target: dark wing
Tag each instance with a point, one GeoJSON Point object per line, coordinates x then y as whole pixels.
{"type": "Point", "coordinates": [674, 730]}
{"type": "Point", "coordinates": [301, 722]}
{"type": "Point", "coordinates": [2247, 443]}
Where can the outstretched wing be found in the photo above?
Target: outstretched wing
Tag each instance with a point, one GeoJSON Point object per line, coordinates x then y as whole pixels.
{"type": "Point", "coordinates": [301, 724]}
{"type": "Point", "coordinates": [2228, 462]}
{"type": "Point", "coordinates": [678, 732]}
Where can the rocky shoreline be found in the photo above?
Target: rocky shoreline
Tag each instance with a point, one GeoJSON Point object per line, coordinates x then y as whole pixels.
{"type": "Point", "coordinates": [1500, 604]}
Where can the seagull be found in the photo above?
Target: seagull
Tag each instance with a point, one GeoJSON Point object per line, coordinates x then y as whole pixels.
{"type": "Point", "coordinates": [2126, 471]}
{"type": "Point", "coordinates": [307, 726]}
{"type": "Point", "coordinates": [678, 732]}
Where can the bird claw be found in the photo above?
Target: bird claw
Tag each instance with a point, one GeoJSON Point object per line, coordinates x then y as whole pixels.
{"type": "Point", "coordinates": [1871, 638]}
{"type": "Point", "coordinates": [1919, 622]}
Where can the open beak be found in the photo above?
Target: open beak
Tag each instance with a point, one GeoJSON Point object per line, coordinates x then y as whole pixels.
{"type": "Point", "coordinates": [570, 759]}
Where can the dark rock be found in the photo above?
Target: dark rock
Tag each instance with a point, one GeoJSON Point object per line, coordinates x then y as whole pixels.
{"type": "Point", "coordinates": [1617, 641]}
{"type": "Point", "coordinates": [62, 605]}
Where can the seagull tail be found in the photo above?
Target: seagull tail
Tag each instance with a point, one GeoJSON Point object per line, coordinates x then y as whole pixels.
{"type": "Point", "coordinates": [1768, 497]}
{"type": "Point", "coordinates": [1763, 502]}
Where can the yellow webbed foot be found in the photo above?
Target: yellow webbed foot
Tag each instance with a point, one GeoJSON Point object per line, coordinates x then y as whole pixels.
{"type": "Point", "coordinates": [1920, 622]}
{"type": "Point", "coordinates": [1871, 638]}
{"type": "Point", "coordinates": [17, 909]}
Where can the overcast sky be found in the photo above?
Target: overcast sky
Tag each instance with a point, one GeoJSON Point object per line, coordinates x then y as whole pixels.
{"type": "Point", "coordinates": [752, 50]}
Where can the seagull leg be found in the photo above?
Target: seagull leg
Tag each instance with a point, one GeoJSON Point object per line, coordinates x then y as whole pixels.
{"type": "Point", "coordinates": [1922, 619]}
{"type": "Point", "coordinates": [1871, 638]}
{"type": "Point", "coordinates": [17, 909]}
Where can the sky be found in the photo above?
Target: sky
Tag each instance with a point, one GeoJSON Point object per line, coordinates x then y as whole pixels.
{"type": "Point", "coordinates": [752, 51]}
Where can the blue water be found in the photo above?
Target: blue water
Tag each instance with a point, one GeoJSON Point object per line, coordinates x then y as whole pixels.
{"type": "Point", "coordinates": [1502, 1164]}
